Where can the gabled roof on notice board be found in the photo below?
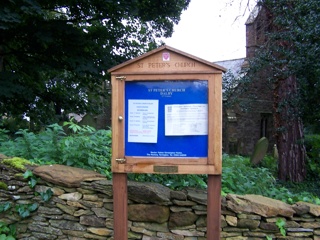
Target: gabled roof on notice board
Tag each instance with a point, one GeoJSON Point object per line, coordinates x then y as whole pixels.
{"type": "Point", "coordinates": [174, 50]}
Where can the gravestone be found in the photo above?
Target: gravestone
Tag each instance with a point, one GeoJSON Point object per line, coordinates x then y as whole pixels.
{"type": "Point", "coordinates": [260, 150]}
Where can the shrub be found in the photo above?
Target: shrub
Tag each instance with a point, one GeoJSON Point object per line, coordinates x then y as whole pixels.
{"type": "Point", "coordinates": [84, 147]}
{"type": "Point", "coordinates": [238, 176]}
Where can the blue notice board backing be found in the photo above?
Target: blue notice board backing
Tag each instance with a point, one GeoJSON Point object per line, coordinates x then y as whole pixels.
{"type": "Point", "coordinates": [166, 118]}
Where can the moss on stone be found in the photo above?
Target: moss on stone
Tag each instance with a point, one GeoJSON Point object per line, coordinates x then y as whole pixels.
{"type": "Point", "coordinates": [17, 163]}
{"type": "Point", "coordinates": [18, 175]}
{"type": "Point", "coordinates": [3, 186]}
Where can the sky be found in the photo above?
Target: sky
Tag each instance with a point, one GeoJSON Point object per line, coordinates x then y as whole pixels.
{"type": "Point", "coordinates": [213, 30]}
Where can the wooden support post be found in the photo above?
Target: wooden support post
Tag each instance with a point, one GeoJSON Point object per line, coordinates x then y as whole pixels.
{"type": "Point", "coordinates": [120, 206]}
{"type": "Point", "coordinates": [214, 207]}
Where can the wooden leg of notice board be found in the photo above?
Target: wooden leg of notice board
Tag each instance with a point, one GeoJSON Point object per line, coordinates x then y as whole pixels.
{"type": "Point", "coordinates": [120, 206]}
{"type": "Point", "coordinates": [214, 207]}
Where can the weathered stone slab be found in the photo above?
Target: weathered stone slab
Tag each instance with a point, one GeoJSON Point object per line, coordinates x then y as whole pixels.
{"type": "Point", "coordinates": [232, 221]}
{"type": "Point", "coordinates": [158, 227]}
{"type": "Point", "coordinates": [82, 212]}
{"type": "Point", "coordinates": [197, 196]}
{"type": "Point", "coordinates": [180, 209]}
{"type": "Point", "coordinates": [148, 213]}
{"type": "Point", "coordinates": [311, 225]}
{"type": "Point", "coordinates": [149, 238]}
{"type": "Point", "coordinates": [49, 210]}
{"type": "Point", "coordinates": [149, 193]}
{"type": "Point", "coordinates": [181, 219]}
{"type": "Point", "coordinates": [201, 222]}
{"type": "Point", "coordinates": [91, 204]}
{"type": "Point", "coordinates": [68, 225]}
{"type": "Point", "coordinates": [248, 223]}
{"type": "Point", "coordinates": [103, 186]}
{"type": "Point", "coordinates": [67, 209]}
{"type": "Point", "coordinates": [43, 229]}
{"type": "Point", "coordinates": [65, 175]}
{"type": "Point", "coordinates": [102, 212]}
{"type": "Point", "coordinates": [259, 205]}
{"type": "Point", "coordinates": [92, 221]}
{"type": "Point", "coordinates": [100, 231]}
{"type": "Point", "coordinates": [314, 209]}
{"type": "Point", "coordinates": [75, 196]}
{"type": "Point", "coordinates": [301, 208]}
{"type": "Point", "coordinates": [170, 236]}
{"type": "Point", "coordinates": [142, 230]}
{"type": "Point", "coordinates": [269, 226]}
{"type": "Point", "coordinates": [190, 233]}
{"type": "Point", "coordinates": [92, 236]}
{"type": "Point", "coordinates": [184, 203]}
{"type": "Point", "coordinates": [179, 195]}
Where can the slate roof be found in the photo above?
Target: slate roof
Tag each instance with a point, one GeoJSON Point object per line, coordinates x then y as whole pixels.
{"type": "Point", "coordinates": [234, 65]}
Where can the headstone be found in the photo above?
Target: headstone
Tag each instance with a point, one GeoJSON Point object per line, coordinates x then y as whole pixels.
{"type": "Point", "coordinates": [275, 152]}
{"type": "Point", "coordinates": [260, 150]}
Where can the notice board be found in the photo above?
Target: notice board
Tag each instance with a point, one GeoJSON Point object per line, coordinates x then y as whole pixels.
{"type": "Point", "coordinates": [166, 118]}
{"type": "Point", "coordinates": [166, 114]}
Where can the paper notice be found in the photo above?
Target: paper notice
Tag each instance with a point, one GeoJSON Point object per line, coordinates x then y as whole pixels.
{"type": "Point", "coordinates": [143, 121]}
{"type": "Point", "coordinates": [186, 119]}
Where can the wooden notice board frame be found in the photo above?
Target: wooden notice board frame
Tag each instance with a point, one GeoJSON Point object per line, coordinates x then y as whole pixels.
{"type": "Point", "coordinates": [157, 82]}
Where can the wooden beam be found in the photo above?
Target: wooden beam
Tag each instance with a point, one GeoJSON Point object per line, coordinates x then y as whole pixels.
{"type": "Point", "coordinates": [214, 207]}
{"type": "Point", "coordinates": [120, 206]}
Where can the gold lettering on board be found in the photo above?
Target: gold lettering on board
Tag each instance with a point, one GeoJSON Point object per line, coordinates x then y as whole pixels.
{"type": "Point", "coordinates": [166, 65]}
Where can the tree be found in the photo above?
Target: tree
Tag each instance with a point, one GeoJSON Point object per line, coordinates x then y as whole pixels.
{"type": "Point", "coordinates": [54, 54]}
{"type": "Point", "coordinates": [288, 59]}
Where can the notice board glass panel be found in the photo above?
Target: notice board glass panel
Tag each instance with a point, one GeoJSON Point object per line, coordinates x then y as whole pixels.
{"type": "Point", "coordinates": [166, 118]}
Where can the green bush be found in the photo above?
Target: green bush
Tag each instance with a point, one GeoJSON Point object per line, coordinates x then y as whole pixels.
{"type": "Point", "coordinates": [84, 147]}
{"type": "Point", "coordinates": [270, 163]}
{"type": "Point", "coordinates": [238, 176]}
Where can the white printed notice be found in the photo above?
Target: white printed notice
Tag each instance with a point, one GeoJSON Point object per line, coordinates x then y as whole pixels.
{"type": "Point", "coordinates": [186, 119]}
{"type": "Point", "coordinates": [143, 121]}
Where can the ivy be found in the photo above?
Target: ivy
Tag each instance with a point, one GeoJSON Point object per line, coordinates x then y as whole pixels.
{"type": "Point", "coordinates": [46, 195]}
{"type": "Point", "coordinates": [25, 210]}
{"type": "Point", "coordinates": [281, 225]}
{"type": "Point", "coordinates": [32, 179]}
{"type": "Point", "coordinates": [5, 207]}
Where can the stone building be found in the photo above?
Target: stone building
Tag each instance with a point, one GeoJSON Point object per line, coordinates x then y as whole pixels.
{"type": "Point", "coordinates": [250, 118]}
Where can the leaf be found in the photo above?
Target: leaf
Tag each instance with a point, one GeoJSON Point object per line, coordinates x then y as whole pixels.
{"type": "Point", "coordinates": [23, 212]}
{"type": "Point", "coordinates": [3, 227]}
{"type": "Point", "coordinates": [46, 195]}
{"type": "Point", "coordinates": [33, 207]}
{"type": "Point", "coordinates": [3, 237]}
{"type": "Point", "coordinates": [32, 182]}
{"type": "Point", "coordinates": [27, 174]}
{"type": "Point", "coordinates": [4, 207]}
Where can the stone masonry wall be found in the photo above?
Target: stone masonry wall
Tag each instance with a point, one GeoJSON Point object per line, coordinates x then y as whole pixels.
{"type": "Point", "coordinates": [82, 209]}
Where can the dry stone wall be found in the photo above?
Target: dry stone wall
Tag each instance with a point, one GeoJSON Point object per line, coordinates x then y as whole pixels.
{"type": "Point", "coordinates": [82, 209]}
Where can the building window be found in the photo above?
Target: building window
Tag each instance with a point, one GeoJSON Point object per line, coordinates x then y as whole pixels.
{"type": "Point", "coordinates": [264, 124]}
